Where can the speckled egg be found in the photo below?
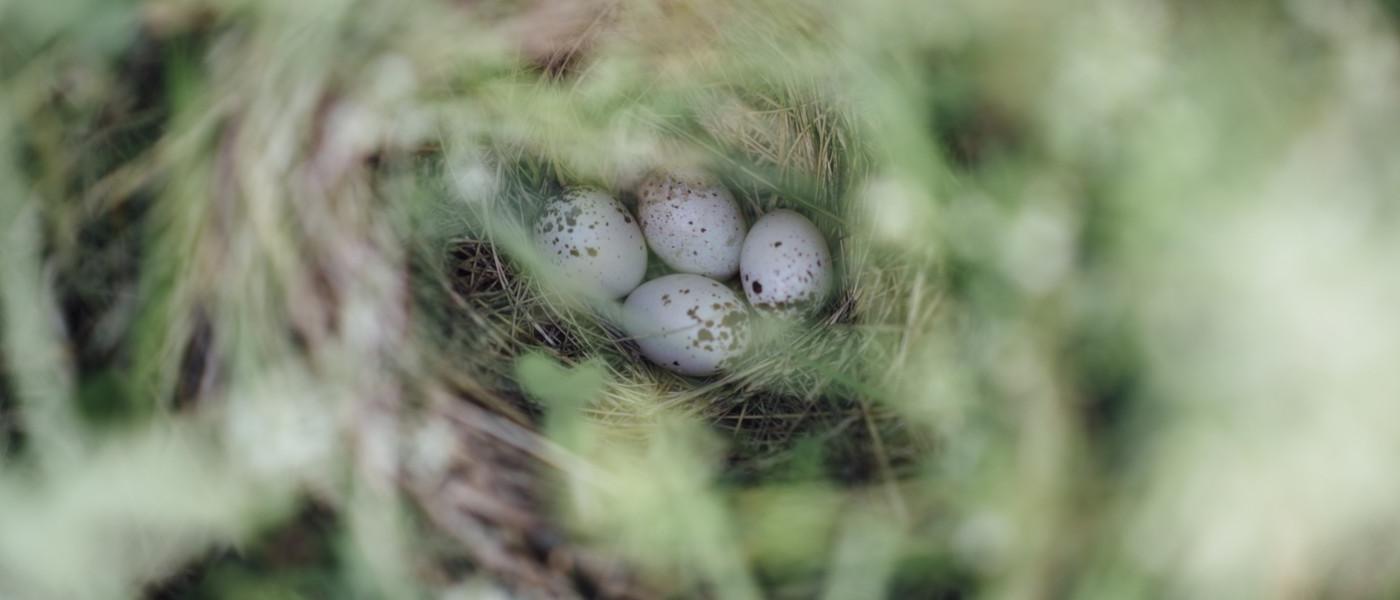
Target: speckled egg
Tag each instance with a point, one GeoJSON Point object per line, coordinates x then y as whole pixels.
{"type": "Point", "coordinates": [691, 224]}
{"type": "Point", "coordinates": [786, 265]}
{"type": "Point", "coordinates": [687, 323]}
{"type": "Point", "coordinates": [589, 238]}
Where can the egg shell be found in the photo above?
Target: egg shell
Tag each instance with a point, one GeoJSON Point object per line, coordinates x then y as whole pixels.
{"type": "Point", "coordinates": [692, 225]}
{"type": "Point", "coordinates": [689, 324]}
{"type": "Point", "coordinates": [786, 264]}
{"type": "Point", "coordinates": [590, 239]}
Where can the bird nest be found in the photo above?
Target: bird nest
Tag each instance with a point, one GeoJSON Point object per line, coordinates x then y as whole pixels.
{"type": "Point", "coordinates": [799, 406]}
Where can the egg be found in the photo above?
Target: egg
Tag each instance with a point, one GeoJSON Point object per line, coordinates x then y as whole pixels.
{"type": "Point", "coordinates": [590, 239]}
{"type": "Point", "coordinates": [785, 264]}
{"type": "Point", "coordinates": [692, 225]}
{"type": "Point", "coordinates": [689, 324]}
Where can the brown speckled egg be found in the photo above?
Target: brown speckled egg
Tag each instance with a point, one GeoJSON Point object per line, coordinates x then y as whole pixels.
{"type": "Point", "coordinates": [589, 238]}
{"type": "Point", "coordinates": [785, 265]}
{"type": "Point", "coordinates": [690, 324]}
{"type": "Point", "coordinates": [692, 225]}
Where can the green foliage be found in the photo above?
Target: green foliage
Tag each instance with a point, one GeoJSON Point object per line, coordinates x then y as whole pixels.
{"type": "Point", "coordinates": [1115, 309]}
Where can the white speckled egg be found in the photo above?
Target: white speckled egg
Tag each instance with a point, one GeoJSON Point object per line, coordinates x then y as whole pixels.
{"type": "Point", "coordinates": [785, 263]}
{"type": "Point", "coordinates": [588, 237]}
{"type": "Point", "coordinates": [687, 323]}
{"type": "Point", "coordinates": [692, 225]}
